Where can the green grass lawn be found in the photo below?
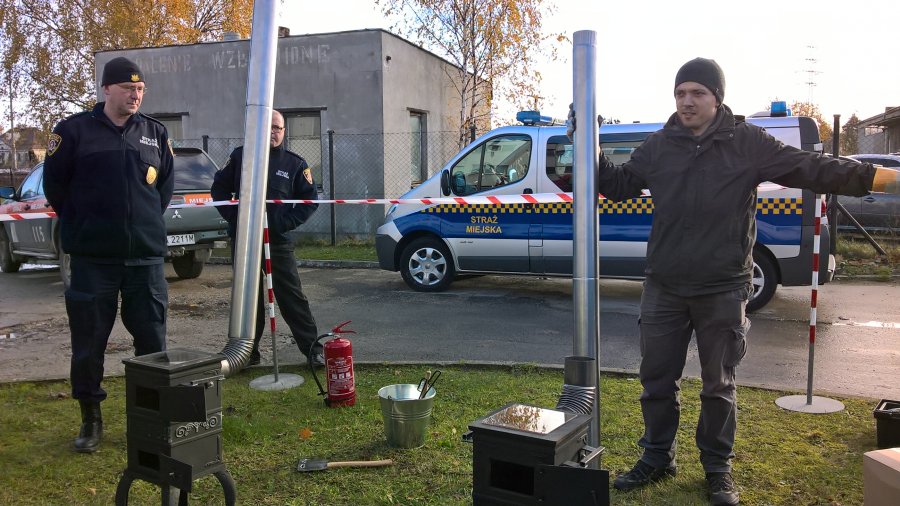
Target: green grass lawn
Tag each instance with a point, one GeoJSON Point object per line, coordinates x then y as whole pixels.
{"type": "Point", "coordinates": [783, 458]}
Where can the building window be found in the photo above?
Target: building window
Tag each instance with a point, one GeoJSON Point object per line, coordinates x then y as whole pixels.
{"type": "Point", "coordinates": [418, 147]}
{"type": "Point", "coordinates": [172, 124]}
{"type": "Point", "coordinates": [869, 131]}
{"type": "Point", "coordinates": [303, 135]}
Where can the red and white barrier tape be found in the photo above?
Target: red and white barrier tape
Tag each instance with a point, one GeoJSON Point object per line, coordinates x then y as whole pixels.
{"type": "Point", "coordinates": [491, 200]}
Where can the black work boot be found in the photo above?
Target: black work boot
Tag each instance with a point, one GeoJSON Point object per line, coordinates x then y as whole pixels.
{"type": "Point", "coordinates": [722, 490]}
{"type": "Point", "coordinates": [91, 427]}
{"type": "Point", "coordinates": [643, 474]}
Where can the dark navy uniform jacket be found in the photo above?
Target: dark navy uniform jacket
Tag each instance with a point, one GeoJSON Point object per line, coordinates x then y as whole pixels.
{"type": "Point", "coordinates": [289, 178]}
{"type": "Point", "coordinates": [110, 186]}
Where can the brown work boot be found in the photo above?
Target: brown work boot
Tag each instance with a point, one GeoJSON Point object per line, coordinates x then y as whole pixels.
{"type": "Point", "coordinates": [722, 490]}
{"type": "Point", "coordinates": [91, 427]}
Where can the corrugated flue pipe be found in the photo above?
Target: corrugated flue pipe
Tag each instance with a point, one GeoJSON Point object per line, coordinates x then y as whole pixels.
{"type": "Point", "coordinates": [579, 385]}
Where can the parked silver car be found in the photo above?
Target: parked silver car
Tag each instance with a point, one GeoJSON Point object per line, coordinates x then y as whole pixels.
{"type": "Point", "coordinates": [192, 232]}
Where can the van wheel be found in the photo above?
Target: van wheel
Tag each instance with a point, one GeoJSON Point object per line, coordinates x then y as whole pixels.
{"type": "Point", "coordinates": [765, 281]}
{"type": "Point", "coordinates": [8, 262]}
{"type": "Point", "coordinates": [426, 265]}
{"type": "Point", "coordinates": [187, 266]}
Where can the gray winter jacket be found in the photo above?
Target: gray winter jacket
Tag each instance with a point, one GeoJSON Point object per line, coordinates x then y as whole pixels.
{"type": "Point", "coordinates": [704, 193]}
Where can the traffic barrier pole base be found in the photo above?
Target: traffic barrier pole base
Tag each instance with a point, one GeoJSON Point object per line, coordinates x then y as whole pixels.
{"type": "Point", "coordinates": [819, 405]}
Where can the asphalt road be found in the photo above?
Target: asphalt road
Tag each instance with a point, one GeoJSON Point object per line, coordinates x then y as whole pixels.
{"type": "Point", "coordinates": [485, 319]}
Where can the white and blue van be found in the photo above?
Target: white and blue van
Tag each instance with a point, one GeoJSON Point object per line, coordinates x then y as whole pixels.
{"type": "Point", "coordinates": [431, 244]}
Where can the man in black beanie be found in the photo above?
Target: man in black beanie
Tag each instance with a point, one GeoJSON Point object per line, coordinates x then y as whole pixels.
{"type": "Point", "coordinates": [108, 175]}
{"type": "Point", "coordinates": [703, 168]}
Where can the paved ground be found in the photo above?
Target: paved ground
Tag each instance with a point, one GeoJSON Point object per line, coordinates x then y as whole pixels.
{"type": "Point", "coordinates": [483, 319]}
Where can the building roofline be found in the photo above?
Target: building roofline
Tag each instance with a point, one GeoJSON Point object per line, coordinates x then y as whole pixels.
{"type": "Point", "coordinates": [890, 115]}
{"type": "Point", "coordinates": [361, 30]}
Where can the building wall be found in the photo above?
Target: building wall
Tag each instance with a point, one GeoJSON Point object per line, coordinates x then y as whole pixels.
{"type": "Point", "coordinates": [361, 95]}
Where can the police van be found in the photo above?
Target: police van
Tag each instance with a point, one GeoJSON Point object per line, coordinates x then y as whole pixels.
{"type": "Point", "coordinates": [432, 244]}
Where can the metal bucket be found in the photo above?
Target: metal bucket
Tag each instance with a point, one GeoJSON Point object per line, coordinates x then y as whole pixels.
{"type": "Point", "coordinates": [406, 417]}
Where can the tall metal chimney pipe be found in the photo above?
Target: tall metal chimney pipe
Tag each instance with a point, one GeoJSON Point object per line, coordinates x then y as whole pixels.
{"type": "Point", "coordinates": [248, 245]}
{"type": "Point", "coordinates": [585, 228]}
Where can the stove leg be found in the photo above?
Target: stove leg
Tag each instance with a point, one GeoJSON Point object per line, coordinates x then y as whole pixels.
{"type": "Point", "coordinates": [168, 496]}
{"type": "Point", "coordinates": [123, 488]}
{"type": "Point", "coordinates": [227, 486]}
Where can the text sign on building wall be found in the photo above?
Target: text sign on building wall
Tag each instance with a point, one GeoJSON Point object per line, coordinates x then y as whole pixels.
{"type": "Point", "coordinates": [229, 59]}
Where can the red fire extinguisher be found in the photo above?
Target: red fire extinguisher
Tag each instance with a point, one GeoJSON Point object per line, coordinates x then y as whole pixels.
{"type": "Point", "coordinates": [338, 368]}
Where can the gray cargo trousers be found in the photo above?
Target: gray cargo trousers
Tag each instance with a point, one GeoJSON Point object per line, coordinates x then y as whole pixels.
{"type": "Point", "coordinates": [667, 322]}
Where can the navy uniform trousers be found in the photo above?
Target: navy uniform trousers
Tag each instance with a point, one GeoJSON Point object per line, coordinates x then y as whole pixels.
{"type": "Point", "coordinates": [667, 323]}
{"type": "Point", "coordinates": [292, 303]}
{"type": "Point", "coordinates": [92, 302]}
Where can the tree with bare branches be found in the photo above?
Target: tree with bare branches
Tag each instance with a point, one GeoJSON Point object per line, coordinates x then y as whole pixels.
{"type": "Point", "coordinates": [494, 44]}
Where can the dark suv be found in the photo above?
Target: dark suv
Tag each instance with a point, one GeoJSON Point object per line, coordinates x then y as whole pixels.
{"type": "Point", "coordinates": [192, 232]}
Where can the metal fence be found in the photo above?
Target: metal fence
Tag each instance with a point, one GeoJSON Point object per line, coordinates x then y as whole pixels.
{"type": "Point", "coordinates": [355, 166]}
{"type": "Point", "coordinates": [872, 140]}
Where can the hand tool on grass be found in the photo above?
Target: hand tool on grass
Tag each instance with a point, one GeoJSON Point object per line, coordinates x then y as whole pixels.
{"type": "Point", "coordinates": [307, 465]}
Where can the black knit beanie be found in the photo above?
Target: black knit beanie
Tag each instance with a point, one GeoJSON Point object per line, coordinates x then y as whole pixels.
{"type": "Point", "coordinates": [121, 70]}
{"type": "Point", "coordinates": [703, 71]}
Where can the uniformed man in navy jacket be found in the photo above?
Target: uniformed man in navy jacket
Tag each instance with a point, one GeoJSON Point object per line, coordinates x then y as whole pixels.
{"type": "Point", "coordinates": [108, 176]}
{"type": "Point", "coordinates": [289, 178]}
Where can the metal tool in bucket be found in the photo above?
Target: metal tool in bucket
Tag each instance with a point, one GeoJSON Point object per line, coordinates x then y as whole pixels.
{"type": "Point", "coordinates": [406, 415]}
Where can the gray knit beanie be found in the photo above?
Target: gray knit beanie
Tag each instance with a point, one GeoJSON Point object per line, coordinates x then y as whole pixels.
{"type": "Point", "coordinates": [706, 72]}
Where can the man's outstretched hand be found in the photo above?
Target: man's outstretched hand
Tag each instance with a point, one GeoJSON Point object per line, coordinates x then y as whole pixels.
{"type": "Point", "coordinates": [570, 121]}
{"type": "Point", "coordinates": [886, 180]}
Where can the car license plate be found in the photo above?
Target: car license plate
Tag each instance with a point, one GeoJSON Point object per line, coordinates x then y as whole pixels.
{"type": "Point", "coordinates": [180, 239]}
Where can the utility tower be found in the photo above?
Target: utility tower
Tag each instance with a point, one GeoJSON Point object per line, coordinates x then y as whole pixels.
{"type": "Point", "coordinates": [810, 71]}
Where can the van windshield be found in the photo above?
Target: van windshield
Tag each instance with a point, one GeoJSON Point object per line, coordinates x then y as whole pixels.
{"type": "Point", "coordinates": [498, 162]}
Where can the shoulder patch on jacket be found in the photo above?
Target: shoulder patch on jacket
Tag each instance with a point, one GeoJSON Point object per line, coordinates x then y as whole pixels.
{"type": "Point", "coordinates": [53, 144]}
{"type": "Point", "coordinates": [307, 173]}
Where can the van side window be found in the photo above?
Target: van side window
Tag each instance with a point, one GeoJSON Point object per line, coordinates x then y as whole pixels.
{"type": "Point", "coordinates": [559, 163]}
{"type": "Point", "coordinates": [498, 162]}
{"type": "Point", "coordinates": [619, 152]}
{"type": "Point", "coordinates": [560, 156]}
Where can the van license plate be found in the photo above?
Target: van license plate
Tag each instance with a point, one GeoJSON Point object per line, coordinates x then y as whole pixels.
{"type": "Point", "coordinates": [180, 239]}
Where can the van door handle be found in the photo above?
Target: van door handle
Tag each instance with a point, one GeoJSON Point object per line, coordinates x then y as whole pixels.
{"type": "Point", "coordinates": [869, 199]}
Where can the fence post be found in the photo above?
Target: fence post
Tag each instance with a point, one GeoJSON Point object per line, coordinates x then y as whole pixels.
{"type": "Point", "coordinates": [832, 201]}
{"type": "Point", "coordinates": [206, 143]}
{"type": "Point", "coordinates": [331, 185]}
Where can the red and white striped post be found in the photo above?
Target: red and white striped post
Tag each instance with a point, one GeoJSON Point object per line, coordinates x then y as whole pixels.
{"type": "Point", "coordinates": [812, 404]}
{"type": "Point", "coordinates": [272, 381]}
{"type": "Point", "coordinates": [270, 293]}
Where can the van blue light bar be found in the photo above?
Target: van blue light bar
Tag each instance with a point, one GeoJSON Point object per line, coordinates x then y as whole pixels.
{"type": "Point", "coordinates": [779, 109]}
{"type": "Point", "coordinates": [534, 118]}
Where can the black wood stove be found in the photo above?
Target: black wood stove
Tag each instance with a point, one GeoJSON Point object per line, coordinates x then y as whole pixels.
{"type": "Point", "coordinates": [526, 455]}
{"type": "Point", "coordinates": [173, 403]}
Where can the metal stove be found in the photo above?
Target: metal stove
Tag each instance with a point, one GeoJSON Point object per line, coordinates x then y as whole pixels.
{"type": "Point", "coordinates": [173, 403]}
{"type": "Point", "coordinates": [527, 455]}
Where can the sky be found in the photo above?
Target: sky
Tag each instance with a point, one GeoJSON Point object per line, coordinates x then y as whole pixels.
{"type": "Point", "coordinates": [768, 50]}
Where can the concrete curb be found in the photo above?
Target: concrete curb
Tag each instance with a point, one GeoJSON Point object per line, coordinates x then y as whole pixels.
{"type": "Point", "coordinates": [363, 264]}
{"type": "Point", "coordinates": [315, 264]}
